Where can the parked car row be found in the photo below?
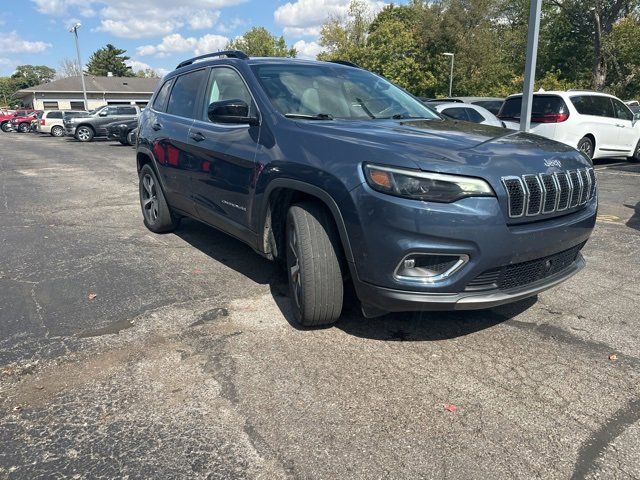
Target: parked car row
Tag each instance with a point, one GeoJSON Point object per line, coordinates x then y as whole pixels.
{"type": "Point", "coordinates": [117, 122]}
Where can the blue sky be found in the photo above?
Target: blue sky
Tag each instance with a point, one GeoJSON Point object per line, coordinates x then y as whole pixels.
{"type": "Point", "coordinates": [155, 33]}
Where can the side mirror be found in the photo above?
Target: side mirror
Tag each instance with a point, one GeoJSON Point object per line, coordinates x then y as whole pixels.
{"type": "Point", "coordinates": [636, 117]}
{"type": "Point", "coordinates": [103, 113]}
{"type": "Point", "coordinates": [231, 111]}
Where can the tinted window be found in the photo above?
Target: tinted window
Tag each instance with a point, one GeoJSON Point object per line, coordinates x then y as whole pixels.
{"type": "Point", "coordinates": [127, 111]}
{"type": "Point", "coordinates": [622, 112]}
{"type": "Point", "coordinates": [226, 84]}
{"type": "Point", "coordinates": [542, 105]}
{"type": "Point", "coordinates": [457, 113]}
{"type": "Point", "coordinates": [593, 105]}
{"type": "Point", "coordinates": [184, 94]}
{"type": "Point", "coordinates": [342, 92]}
{"type": "Point", "coordinates": [474, 116]}
{"type": "Point", "coordinates": [161, 98]}
{"type": "Point", "coordinates": [492, 105]}
{"type": "Point", "coordinates": [54, 115]}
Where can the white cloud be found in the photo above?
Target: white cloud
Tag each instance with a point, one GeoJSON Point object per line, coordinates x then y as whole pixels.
{"type": "Point", "coordinates": [203, 19]}
{"type": "Point", "coordinates": [305, 17]}
{"type": "Point", "coordinates": [12, 43]}
{"type": "Point", "coordinates": [176, 43]}
{"type": "Point", "coordinates": [308, 50]}
{"type": "Point", "coordinates": [140, 18]}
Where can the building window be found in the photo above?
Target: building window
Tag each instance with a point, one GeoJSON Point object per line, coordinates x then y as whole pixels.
{"type": "Point", "coordinates": [77, 105]}
{"type": "Point", "coordinates": [50, 105]}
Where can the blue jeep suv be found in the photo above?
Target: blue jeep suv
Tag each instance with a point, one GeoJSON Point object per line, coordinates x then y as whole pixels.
{"type": "Point", "coordinates": [343, 176]}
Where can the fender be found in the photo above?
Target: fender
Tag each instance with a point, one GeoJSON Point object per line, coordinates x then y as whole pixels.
{"type": "Point", "coordinates": [316, 192]}
{"type": "Point", "coordinates": [154, 163]}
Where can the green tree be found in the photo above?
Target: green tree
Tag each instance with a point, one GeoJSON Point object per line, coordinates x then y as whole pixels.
{"type": "Point", "coordinates": [7, 90]}
{"type": "Point", "coordinates": [27, 76]}
{"type": "Point", "coordinates": [147, 73]}
{"type": "Point", "coordinates": [622, 50]}
{"type": "Point", "coordinates": [258, 42]}
{"type": "Point", "coordinates": [344, 37]}
{"type": "Point", "coordinates": [109, 59]}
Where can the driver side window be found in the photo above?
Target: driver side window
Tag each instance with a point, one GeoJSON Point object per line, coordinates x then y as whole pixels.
{"type": "Point", "coordinates": [226, 84]}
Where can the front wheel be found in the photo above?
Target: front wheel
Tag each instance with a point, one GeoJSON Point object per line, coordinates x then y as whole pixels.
{"type": "Point", "coordinates": [155, 210]}
{"type": "Point", "coordinates": [585, 145]}
{"type": "Point", "coordinates": [84, 134]}
{"type": "Point", "coordinates": [6, 127]}
{"type": "Point", "coordinates": [313, 265]}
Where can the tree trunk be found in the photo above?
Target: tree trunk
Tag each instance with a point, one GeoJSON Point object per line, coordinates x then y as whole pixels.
{"type": "Point", "coordinates": [599, 78]}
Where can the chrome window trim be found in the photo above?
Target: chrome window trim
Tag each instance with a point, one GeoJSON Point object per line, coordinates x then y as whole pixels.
{"type": "Point", "coordinates": [463, 259]}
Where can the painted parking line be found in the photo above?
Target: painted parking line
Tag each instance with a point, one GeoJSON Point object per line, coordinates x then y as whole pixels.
{"type": "Point", "coordinates": [622, 174]}
{"type": "Point", "coordinates": [609, 165]}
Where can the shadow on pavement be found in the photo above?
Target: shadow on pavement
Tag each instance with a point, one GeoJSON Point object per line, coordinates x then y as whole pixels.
{"type": "Point", "coordinates": [634, 221]}
{"type": "Point", "coordinates": [419, 326]}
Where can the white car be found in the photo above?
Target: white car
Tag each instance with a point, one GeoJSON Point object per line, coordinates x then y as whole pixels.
{"type": "Point", "coordinates": [51, 121]}
{"type": "Point", "coordinates": [597, 124]}
{"type": "Point", "coordinates": [468, 112]}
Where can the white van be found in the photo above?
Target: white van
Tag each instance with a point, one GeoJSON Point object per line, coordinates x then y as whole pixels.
{"type": "Point", "coordinates": [51, 121]}
{"type": "Point", "coordinates": [598, 124]}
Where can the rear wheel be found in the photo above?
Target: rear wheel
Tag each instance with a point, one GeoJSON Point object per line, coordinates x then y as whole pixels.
{"type": "Point", "coordinates": [313, 265]}
{"type": "Point", "coordinates": [84, 134]}
{"type": "Point", "coordinates": [24, 127]}
{"type": "Point", "coordinates": [156, 212]}
{"type": "Point", "coordinates": [585, 145]}
{"type": "Point", "coordinates": [57, 131]}
{"type": "Point", "coordinates": [6, 127]}
{"type": "Point", "coordinates": [636, 154]}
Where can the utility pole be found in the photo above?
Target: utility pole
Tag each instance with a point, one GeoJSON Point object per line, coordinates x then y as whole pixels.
{"type": "Point", "coordinates": [530, 66]}
{"type": "Point", "coordinates": [74, 30]}
{"type": "Point", "coordinates": [453, 56]}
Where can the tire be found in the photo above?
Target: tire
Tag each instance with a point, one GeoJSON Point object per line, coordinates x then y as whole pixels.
{"type": "Point", "coordinates": [636, 154]}
{"type": "Point", "coordinates": [155, 210]}
{"type": "Point", "coordinates": [130, 141]}
{"type": "Point", "coordinates": [24, 128]}
{"type": "Point", "coordinates": [5, 127]}
{"type": "Point", "coordinates": [123, 142]}
{"type": "Point", "coordinates": [84, 134]}
{"type": "Point", "coordinates": [585, 145]}
{"type": "Point", "coordinates": [314, 269]}
{"type": "Point", "coordinates": [57, 131]}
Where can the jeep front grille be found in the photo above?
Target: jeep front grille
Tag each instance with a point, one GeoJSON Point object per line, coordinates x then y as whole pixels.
{"type": "Point", "coordinates": [545, 193]}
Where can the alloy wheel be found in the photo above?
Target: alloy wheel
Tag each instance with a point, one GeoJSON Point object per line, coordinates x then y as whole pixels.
{"type": "Point", "coordinates": [586, 148]}
{"type": "Point", "coordinates": [149, 199]}
{"type": "Point", "coordinates": [293, 266]}
{"type": "Point", "coordinates": [57, 131]}
{"type": "Point", "coordinates": [83, 134]}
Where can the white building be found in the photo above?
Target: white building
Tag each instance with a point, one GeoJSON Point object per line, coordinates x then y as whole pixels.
{"type": "Point", "coordinates": [66, 93]}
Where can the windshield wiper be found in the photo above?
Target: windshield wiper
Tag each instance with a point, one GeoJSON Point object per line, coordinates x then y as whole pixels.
{"type": "Point", "coordinates": [404, 116]}
{"type": "Point", "coordinates": [364, 107]}
{"type": "Point", "coordinates": [318, 116]}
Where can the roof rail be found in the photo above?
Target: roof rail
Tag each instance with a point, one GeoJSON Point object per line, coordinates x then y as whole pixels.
{"type": "Point", "coordinates": [226, 53]}
{"type": "Point", "coordinates": [345, 62]}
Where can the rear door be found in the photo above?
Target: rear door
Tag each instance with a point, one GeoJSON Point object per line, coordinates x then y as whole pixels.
{"type": "Point", "coordinates": [224, 155]}
{"type": "Point", "coordinates": [599, 119]}
{"type": "Point", "coordinates": [170, 118]}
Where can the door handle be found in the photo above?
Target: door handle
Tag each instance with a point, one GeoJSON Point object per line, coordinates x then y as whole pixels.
{"type": "Point", "coordinates": [156, 126]}
{"type": "Point", "coordinates": [198, 137]}
{"type": "Point", "coordinates": [620, 126]}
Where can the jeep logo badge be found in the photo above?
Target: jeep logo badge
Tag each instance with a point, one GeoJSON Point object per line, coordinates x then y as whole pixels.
{"type": "Point", "coordinates": [553, 163]}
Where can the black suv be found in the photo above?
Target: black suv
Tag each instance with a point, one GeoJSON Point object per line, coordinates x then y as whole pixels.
{"type": "Point", "coordinates": [344, 176]}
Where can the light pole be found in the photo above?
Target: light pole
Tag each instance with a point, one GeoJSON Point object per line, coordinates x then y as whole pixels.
{"type": "Point", "coordinates": [452, 55]}
{"type": "Point", "coordinates": [530, 66]}
{"type": "Point", "coordinates": [74, 30]}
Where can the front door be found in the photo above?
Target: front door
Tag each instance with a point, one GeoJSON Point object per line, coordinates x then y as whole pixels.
{"type": "Point", "coordinates": [627, 130]}
{"type": "Point", "coordinates": [224, 155]}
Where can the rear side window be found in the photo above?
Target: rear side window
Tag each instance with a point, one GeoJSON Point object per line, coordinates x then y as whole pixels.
{"type": "Point", "coordinates": [542, 105]}
{"type": "Point", "coordinates": [457, 113]}
{"type": "Point", "coordinates": [161, 98]}
{"type": "Point", "coordinates": [593, 105]}
{"type": "Point", "coordinates": [184, 94]}
{"type": "Point", "coordinates": [474, 116]}
{"type": "Point", "coordinates": [54, 115]}
{"type": "Point", "coordinates": [127, 111]}
{"type": "Point", "coordinates": [492, 105]}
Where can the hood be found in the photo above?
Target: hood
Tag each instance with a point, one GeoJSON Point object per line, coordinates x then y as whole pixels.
{"type": "Point", "coordinates": [453, 147]}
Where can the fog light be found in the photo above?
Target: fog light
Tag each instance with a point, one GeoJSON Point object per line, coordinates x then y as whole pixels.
{"type": "Point", "coordinates": [429, 267]}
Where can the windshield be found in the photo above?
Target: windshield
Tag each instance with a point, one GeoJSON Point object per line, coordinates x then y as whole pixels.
{"type": "Point", "coordinates": [324, 92]}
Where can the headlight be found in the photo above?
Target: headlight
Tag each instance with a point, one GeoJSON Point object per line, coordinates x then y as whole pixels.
{"type": "Point", "coordinates": [430, 187]}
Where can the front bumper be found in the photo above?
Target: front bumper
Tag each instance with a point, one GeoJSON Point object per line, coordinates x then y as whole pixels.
{"type": "Point", "coordinates": [387, 300]}
{"type": "Point", "coordinates": [383, 230]}
{"type": "Point", "coordinates": [70, 130]}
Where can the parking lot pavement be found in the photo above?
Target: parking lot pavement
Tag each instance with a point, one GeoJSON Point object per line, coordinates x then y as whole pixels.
{"type": "Point", "coordinates": [129, 354]}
